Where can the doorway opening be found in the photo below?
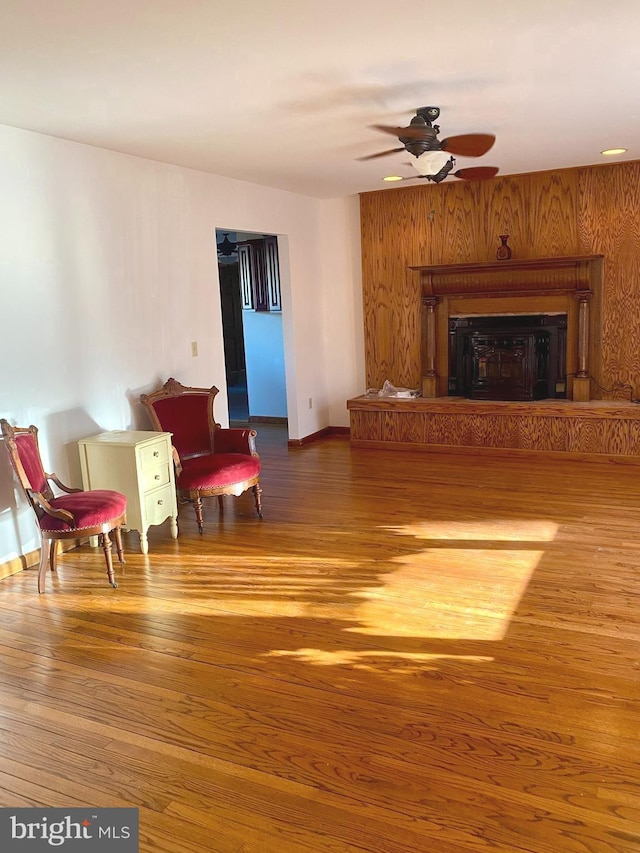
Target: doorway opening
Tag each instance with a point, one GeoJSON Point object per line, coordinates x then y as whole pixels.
{"type": "Point", "coordinates": [248, 267]}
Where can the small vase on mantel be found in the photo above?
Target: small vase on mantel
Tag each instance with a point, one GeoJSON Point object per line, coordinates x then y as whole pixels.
{"type": "Point", "coordinates": [504, 251]}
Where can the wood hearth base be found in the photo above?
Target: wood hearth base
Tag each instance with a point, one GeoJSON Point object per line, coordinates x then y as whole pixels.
{"type": "Point", "coordinates": [598, 430]}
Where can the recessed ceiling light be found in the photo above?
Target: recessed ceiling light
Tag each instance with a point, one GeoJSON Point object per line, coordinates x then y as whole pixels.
{"type": "Point", "coordinates": [609, 152]}
{"type": "Point", "coordinates": [393, 178]}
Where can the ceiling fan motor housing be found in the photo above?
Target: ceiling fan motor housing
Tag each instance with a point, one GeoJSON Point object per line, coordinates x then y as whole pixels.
{"type": "Point", "coordinates": [420, 146]}
{"type": "Point", "coordinates": [427, 141]}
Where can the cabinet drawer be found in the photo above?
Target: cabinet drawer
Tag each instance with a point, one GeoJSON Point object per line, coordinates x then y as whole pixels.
{"type": "Point", "coordinates": [153, 476]}
{"type": "Point", "coordinates": [159, 504]}
{"type": "Point", "coordinates": [154, 454]}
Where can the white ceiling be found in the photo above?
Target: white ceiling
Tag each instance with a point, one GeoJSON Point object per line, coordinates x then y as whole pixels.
{"type": "Point", "coordinates": [282, 92]}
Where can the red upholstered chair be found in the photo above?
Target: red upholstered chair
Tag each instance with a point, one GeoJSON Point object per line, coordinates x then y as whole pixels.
{"type": "Point", "coordinates": [72, 515]}
{"type": "Point", "coordinates": [209, 460]}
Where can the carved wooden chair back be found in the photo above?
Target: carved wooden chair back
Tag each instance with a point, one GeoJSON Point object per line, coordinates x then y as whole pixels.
{"type": "Point", "coordinates": [187, 413]}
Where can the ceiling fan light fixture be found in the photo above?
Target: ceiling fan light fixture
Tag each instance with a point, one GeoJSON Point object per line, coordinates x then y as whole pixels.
{"type": "Point", "coordinates": [430, 163]}
{"type": "Point", "coordinates": [226, 247]}
{"type": "Point", "coordinates": [611, 152]}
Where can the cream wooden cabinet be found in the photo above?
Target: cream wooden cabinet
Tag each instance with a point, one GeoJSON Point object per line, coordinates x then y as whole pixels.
{"type": "Point", "coordinates": [140, 465]}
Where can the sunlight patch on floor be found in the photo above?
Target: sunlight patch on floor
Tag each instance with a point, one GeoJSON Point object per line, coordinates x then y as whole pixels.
{"type": "Point", "coordinates": [457, 591]}
{"type": "Point", "coordinates": [492, 529]}
{"type": "Point", "coordinates": [469, 595]}
{"type": "Point", "coordinates": [369, 660]}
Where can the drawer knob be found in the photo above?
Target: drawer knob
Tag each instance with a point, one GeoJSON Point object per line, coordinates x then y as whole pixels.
{"type": "Point", "coordinates": [160, 502]}
{"type": "Point", "coordinates": [157, 477]}
{"type": "Point", "coordinates": [156, 453]}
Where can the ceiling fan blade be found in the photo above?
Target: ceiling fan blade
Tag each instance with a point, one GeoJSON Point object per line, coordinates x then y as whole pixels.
{"type": "Point", "coordinates": [411, 132]}
{"type": "Point", "coordinates": [380, 154]}
{"type": "Point", "coordinates": [468, 144]}
{"type": "Point", "coordinates": [476, 173]}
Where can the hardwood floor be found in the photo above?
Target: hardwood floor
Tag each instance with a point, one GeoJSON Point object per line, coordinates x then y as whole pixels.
{"type": "Point", "coordinates": [411, 653]}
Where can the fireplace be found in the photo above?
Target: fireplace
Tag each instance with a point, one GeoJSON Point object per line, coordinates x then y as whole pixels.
{"type": "Point", "coordinates": [508, 357]}
{"type": "Point", "coordinates": [522, 364]}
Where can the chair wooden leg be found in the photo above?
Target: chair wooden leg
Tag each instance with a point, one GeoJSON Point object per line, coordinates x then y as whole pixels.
{"type": "Point", "coordinates": [197, 505]}
{"type": "Point", "coordinates": [53, 555]}
{"type": "Point", "coordinates": [118, 537]}
{"type": "Point", "coordinates": [257, 495]}
{"type": "Point", "coordinates": [42, 568]}
{"type": "Point", "coordinates": [106, 547]}
{"type": "Point", "coordinates": [220, 503]}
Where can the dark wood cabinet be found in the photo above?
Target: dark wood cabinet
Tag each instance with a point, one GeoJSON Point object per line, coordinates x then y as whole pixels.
{"type": "Point", "coordinates": [259, 270]}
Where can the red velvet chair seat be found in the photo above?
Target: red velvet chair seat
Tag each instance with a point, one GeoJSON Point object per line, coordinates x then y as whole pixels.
{"type": "Point", "coordinates": [89, 509]}
{"type": "Point", "coordinates": [217, 470]}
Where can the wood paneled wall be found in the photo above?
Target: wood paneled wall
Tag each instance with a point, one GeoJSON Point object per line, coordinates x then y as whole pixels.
{"type": "Point", "coordinates": [581, 211]}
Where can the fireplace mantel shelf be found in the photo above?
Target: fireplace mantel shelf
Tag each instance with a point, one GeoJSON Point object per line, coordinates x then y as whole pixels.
{"type": "Point", "coordinates": [519, 276]}
{"type": "Point", "coordinates": [519, 264]}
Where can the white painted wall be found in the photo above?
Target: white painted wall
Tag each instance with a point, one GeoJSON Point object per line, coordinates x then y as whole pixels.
{"type": "Point", "coordinates": [343, 322]}
{"type": "Point", "coordinates": [108, 271]}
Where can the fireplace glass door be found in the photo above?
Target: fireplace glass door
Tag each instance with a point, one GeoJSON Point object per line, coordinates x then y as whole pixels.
{"type": "Point", "coordinates": [508, 358]}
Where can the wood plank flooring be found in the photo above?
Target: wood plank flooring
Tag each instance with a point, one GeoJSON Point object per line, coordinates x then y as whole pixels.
{"type": "Point", "coordinates": [410, 653]}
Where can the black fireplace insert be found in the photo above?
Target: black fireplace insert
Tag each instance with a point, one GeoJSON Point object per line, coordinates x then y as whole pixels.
{"type": "Point", "coordinates": [513, 357]}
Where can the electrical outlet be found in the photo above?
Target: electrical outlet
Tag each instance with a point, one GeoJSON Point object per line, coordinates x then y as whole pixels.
{"type": "Point", "coordinates": [194, 348]}
{"type": "Point", "coordinates": [311, 402]}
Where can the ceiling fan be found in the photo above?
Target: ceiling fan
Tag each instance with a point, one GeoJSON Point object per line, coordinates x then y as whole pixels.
{"type": "Point", "coordinates": [433, 160]}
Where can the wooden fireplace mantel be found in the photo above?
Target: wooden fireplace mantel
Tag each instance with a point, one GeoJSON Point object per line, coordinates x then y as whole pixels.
{"type": "Point", "coordinates": [570, 285]}
{"type": "Point", "coordinates": [527, 275]}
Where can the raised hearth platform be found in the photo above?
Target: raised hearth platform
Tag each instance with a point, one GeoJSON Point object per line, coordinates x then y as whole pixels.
{"type": "Point", "coordinates": [598, 430]}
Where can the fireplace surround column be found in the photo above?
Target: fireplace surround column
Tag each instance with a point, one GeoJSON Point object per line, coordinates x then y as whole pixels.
{"type": "Point", "coordinates": [582, 382]}
{"type": "Point", "coordinates": [429, 375]}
